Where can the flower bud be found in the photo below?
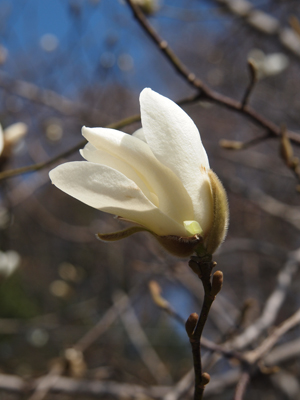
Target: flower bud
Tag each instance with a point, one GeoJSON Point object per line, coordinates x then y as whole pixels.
{"type": "Point", "coordinates": [217, 282]}
{"type": "Point", "coordinates": [219, 226]}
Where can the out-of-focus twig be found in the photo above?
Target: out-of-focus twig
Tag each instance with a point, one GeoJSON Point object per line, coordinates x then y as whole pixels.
{"type": "Point", "coordinates": [253, 80]}
{"type": "Point", "coordinates": [258, 353]}
{"type": "Point", "coordinates": [47, 98]}
{"type": "Point", "coordinates": [237, 145]}
{"type": "Point", "coordinates": [204, 92]}
{"type": "Point", "coordinates": [242, 386]}
{"type": "Point", "coordinates": [272, 305]}
{"type": "Point", "coordinates": [103, 325]}
{"type": "Point", "coordinates": [181, 387]}
{"type": "Point", "coordinates": [266, 23]}
{"type": "Point", "coordinates": [67, 153]}
{"type": "Point", "coordinates": [141, 342]}
{"type": "Point", "coordinates": [47, 382]}
{"type": "Point", "coordinates": [116, 125]}
{"type": "Point", "coordinates": [267, 203]}
{"type": "Point", "coordinates": [284, 352]}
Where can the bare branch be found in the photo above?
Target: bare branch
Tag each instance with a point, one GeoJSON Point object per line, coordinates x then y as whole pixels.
{"type": "Point", "coordinates": [204, 92]}
{"type": "Point", "coordinates": [253, 80]}
{"type": "Point", "coordinates": [257, 354]}
{"type": "Point", "coordinates": [272, 305]}
{"type": "Point", "coordinates": [141, 342]}
{"type": "Point", "coordinates": [242, 386]}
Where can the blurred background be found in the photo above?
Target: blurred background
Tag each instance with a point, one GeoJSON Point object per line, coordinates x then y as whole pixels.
{"type": "Point", "coordinates": [65, 64]}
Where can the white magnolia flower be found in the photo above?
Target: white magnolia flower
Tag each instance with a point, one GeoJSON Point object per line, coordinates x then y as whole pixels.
{"type": "Point", "coordinates": [158, 178]}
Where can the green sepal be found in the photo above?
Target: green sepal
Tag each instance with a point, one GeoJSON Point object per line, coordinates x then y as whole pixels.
{"type": "Point", "coordinates": [123, 234]}
{"type": "Point", "coordinates": [176, 245]}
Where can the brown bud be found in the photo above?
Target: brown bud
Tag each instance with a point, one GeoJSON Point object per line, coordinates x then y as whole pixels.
{"type": "Point", "coordinates": [205, 378]}
{"type": "Point", "coordinates": [191, 323]}
{"type": "Point", "coordinates": [217, 282]}
{"type": "Point", "coordinates": [231, 144]}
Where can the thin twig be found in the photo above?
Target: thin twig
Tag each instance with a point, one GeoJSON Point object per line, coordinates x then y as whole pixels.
{"type": "Point", "coordinates": [253, 80]}
{"type": "Point", "coordinates": [116, 125]}
{"type": "Point", "coordinates": [237, 145]}
{"type": "Point", "coordinates": [103, 325]}
{"type": "Point", "coordinates": [36, 167]}
{"type": "Point", "coordinates": [204, 92]}
{"type": "Point", "coordinates": [140, 341]}
{"type": "Point", "coordinates": [272, 305]}
{"type": "Point", "coordinates": [255, 355]}
{"type": "Point", "coordinates": [47, 382]}
{"type": "Point", "coordinates": [242, 386]}
{"type": "Point", "coordinates": [203, 268]}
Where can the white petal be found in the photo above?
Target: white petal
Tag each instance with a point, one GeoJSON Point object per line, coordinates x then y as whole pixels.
{"type": "Point", "coordinates": [108, 190]}
{"type": "Point", "coordinates": [90, 153]}
{"type": "Point", "coordinates": [1, 140]}
{"type": "Point", "coordinates": [175, 141]}
{"type": "Point", "coordinates": [140, 135]}
{"type": "Point", "coordinates": [160, 180]}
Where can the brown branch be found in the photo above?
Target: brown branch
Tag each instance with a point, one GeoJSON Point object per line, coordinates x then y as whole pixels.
{"type": "Point", "coordinates": [257, 354]}
{"type": "Point", "coordinates": [204, 92]}
{"type": "Point", "coordinates": [102, 389]}
{"type": "Point", "coordinates": [140, 341]}
{"type": "Point", "coordinates": [47, 98]}
{"type": "Point", "coordinates": [237, 145]}
{"type": "Point", "coordinates": [272, 305]}
{"type": "Point", "coordinates": [202, 266]}
{"type": "Point", "coordinates": [116, 125]}
{"type": "Point", "coordinates": [242, 386]}
{"type": "Point", "coordinates": [253, 80]}
{"type": "Point", "coordinates": [37, 167]}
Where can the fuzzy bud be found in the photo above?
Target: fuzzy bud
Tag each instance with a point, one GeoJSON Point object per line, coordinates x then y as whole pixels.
{"type": "Point", "coordinates": [218, 230]}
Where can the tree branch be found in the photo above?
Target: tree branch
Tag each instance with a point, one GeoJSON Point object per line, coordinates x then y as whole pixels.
{"type": "Point", "coordinates": [204, 92]}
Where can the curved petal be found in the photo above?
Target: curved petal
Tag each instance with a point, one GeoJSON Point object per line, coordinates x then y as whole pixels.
{"type": "Point", "coordinates": [173, 199]}
{"type": "Point", "coordinates": [108, 190]}
{"type": "Point", "coordinates": [175, 141]}
{"type": "Point", "coordinates": [90, 153]}
{"type": "Point", "coordinates": [140, 135]}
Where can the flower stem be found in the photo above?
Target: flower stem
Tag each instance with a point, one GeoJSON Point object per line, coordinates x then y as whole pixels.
{"type": "Point", "coordinates": [194, 326]}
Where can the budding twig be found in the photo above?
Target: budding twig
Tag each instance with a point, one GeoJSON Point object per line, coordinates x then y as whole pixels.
{"type": "Point", "coordinates": [253, 80]}
{"type": "Point", "coordinates": [195, 325]}
{"type": "Point", "coordinates": [237, 145]}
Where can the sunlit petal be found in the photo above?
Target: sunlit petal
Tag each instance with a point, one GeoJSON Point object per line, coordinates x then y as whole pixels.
{"type": "Point", "coordinates": [108, 190]}
{"type": "Point", "coordinates": [173, 199]}
{"type": "Point", "coordinates": [175, 141]}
